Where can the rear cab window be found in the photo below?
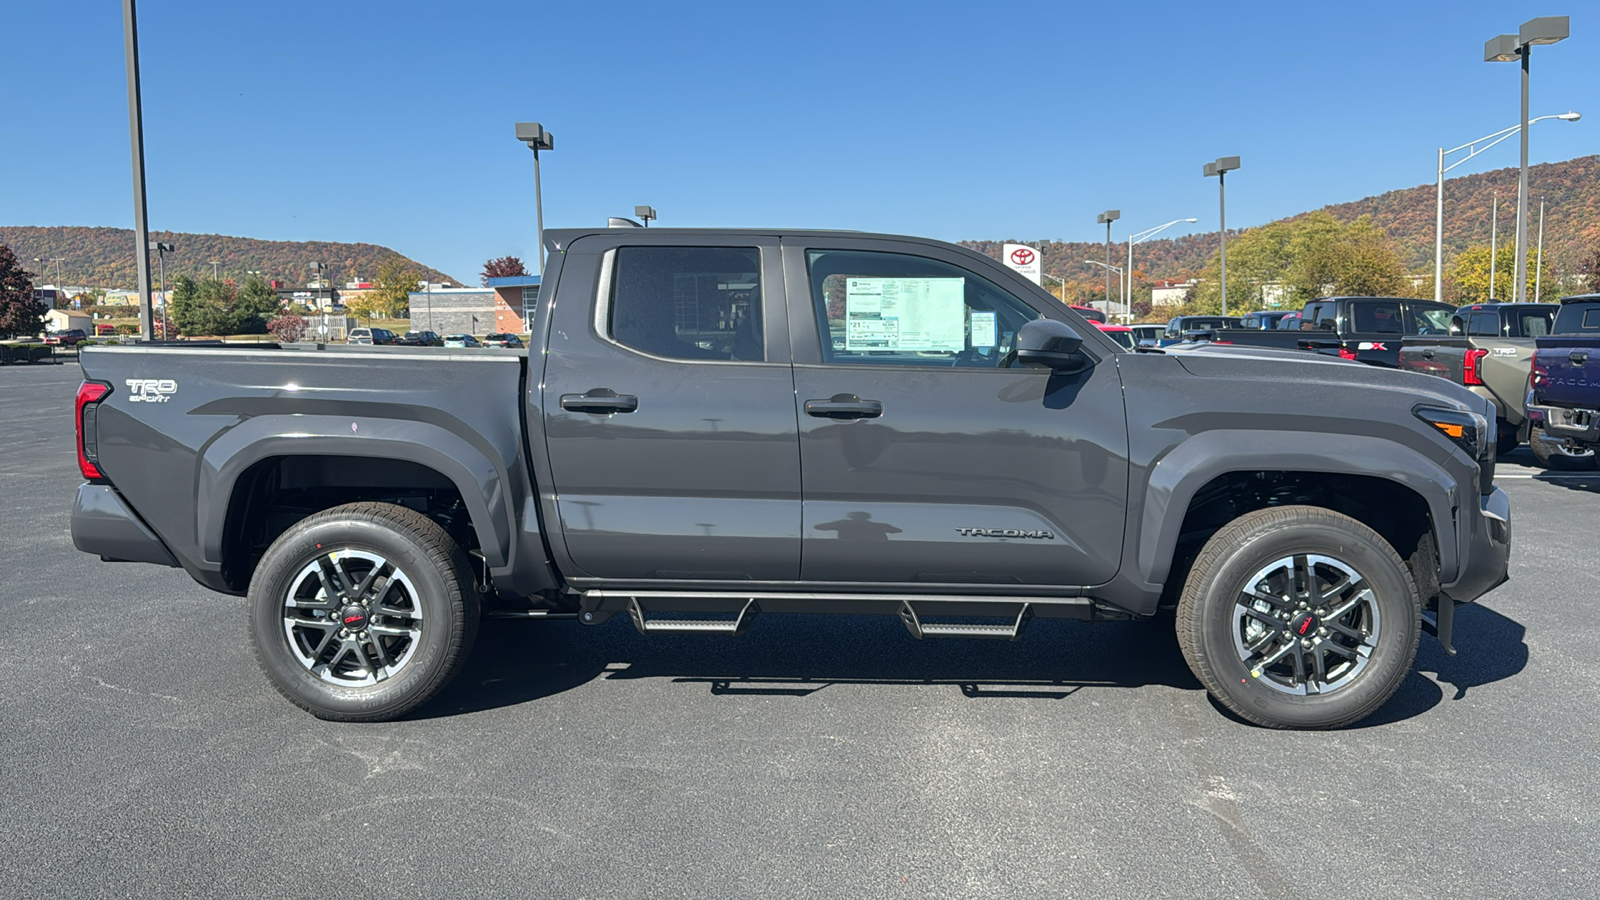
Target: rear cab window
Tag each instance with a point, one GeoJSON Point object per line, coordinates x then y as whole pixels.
{"type": "Point", "coordinates": [1578, 318]}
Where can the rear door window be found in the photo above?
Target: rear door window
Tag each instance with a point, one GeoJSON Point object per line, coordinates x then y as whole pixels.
{"type": "Point", "coordinates": [1378, 317]}
{"type": "Point", "coordinates": [1320, 317]}
{"type": "Point", "coordinates": [1484, 324]}
{"type": "Point", "coordinates": [701, 303]}
{"type": "Point", "coordinates": [1534, 324]}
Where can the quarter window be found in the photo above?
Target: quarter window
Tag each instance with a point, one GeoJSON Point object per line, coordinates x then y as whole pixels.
{"type": "Point", "coordinates": [700, 303]}
{"type": "Point", "coordinates": [895, 309]}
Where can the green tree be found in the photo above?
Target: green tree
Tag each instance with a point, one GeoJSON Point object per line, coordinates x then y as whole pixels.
{"type": "Point", "coordinates": [255, 305]}
{"type": "Point", "coordinates": [20, 313]}
{"type": "Point", "coordinates": [183, 308]}
{"type": "Point", "coordinates": [1308, 257]}
{"type": "Point", "coordinates": [1470, 275]}
{"type": "Point", "coordinates": [397, 278]}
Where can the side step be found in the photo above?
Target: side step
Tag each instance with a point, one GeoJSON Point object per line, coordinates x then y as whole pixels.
{"type": "Point", "coordinates": [734, 627]}
{"type": "Point", "coordinates": [920, 629]}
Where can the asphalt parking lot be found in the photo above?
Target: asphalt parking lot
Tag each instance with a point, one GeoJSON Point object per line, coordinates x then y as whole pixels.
{"type": "Point", "coordinates": [145, 755]}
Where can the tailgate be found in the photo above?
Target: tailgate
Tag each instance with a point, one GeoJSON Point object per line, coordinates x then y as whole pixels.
{"type": "Point", "coordinates": [1571, 371]}
{"type": "Point", "coordinates": [1434, 357]}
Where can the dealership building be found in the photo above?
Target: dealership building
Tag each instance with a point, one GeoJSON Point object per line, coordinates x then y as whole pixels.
{"type": "Point", "coordinates": [504, 305]}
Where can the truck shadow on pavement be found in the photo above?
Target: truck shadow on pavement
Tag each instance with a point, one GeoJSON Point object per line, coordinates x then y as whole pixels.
{"type": "Point", "coordinates": [798, 656]}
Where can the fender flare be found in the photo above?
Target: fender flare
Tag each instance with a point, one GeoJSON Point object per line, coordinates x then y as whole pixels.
{"type": "Point", "coordinates": [482, 482]}
{"type": "Point", "coordinates": [1178, 476]}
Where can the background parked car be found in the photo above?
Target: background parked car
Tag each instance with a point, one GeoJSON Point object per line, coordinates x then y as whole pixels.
{"type": "Point", "coordinates": [68, 338]}
{"type": "Point", "coordinates": [502, 340]}
{"type": "Point", "coordinates": [370, 336]}
{"type": "Point", "coordinates": [1266, 319]}
{"type": "Point", "coordinates": [1088, 312]}
{"type": "Point", "coordinates": [1122, 334]}
{"type": "Point", "coordinates": [461, 340]}
{"type": "Point", "coordinates": [420, 339]}
{"type": "Point", "coordinates": [1150, 333]}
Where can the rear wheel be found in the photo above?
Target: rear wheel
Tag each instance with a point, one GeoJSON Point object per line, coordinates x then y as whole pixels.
{"type": "Point", "coordinates": [1506, 440]}
{"type": "Point", "coordinates": [1299, 617]}
{"type": "Point", "coordinates": [363, 612]}
{"type": "Point", "coordinates": [1558, 454]}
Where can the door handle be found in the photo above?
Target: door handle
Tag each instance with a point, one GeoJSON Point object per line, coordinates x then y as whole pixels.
{"type": "Point", "coordinates": [600, 400]}
{"type": "Point", "coordinates": [1427, 354]}
{"type": "Point", "coordinates": [1578, 357]}
{"type": "Point", "coordinates": [844, 406]}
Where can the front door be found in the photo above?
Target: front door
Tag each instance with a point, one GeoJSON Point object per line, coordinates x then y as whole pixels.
{"type": "Point", "coordinates": [926, 459]}
{"type": "Point", "coordinates": [669, 413]}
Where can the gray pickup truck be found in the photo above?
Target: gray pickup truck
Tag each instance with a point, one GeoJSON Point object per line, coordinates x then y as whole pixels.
{"type": "Point", "coordinates": [712, 424]}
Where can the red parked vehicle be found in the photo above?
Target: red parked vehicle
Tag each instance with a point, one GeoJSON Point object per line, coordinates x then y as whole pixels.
{"type": "Point", "coordinates": [69, 338]}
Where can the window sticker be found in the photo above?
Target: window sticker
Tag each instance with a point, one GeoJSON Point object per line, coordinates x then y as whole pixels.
{"type": "Point", "coordinates": [905, 314]}
{"type": "Point", "coordinates": [983, 335]}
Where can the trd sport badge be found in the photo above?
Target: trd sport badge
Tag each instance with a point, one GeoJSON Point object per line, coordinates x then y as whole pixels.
{"type": "Point", "coordinates": [151, 390]}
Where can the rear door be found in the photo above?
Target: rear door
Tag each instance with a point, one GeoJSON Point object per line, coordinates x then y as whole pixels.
{"type": "Point", "coordinates": [924, 458]}
{"type": "Point", "coordinates": [668, 405]}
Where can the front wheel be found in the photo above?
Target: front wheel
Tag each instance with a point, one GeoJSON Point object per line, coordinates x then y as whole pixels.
{"type": "Point", "coordinates": [363, 612]}
{"type": "Point", "coordinates": [1299, 617]}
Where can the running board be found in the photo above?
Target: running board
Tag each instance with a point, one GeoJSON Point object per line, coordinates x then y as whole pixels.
{"type": "Point", "coordinates": [920, 629]}
{"type": "Point", "coordinates": [734, 627]}
{"type": "Point", "coordinates": [658, 611]}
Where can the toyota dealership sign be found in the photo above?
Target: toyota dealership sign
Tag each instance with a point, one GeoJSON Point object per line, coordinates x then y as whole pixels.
{"type": "Point", "coordinates": [1024, 259]}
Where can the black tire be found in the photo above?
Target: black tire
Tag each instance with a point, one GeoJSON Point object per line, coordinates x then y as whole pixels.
{"type": "Point", "coordinates": [1214, 625]}
{"type": "Point", "coordinates": [420, 615]}
{"type": "Point", "coordinates": [1553, 455]}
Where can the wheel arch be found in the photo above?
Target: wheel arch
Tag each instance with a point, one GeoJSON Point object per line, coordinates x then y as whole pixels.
{"type": "Point", "coordinates": [419, 455]}
{"type": "Point", "coordinates": [1391, 488]}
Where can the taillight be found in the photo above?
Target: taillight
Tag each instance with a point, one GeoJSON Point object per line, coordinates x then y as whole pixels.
{"type": "Point", "coordinates": [1347, 354]}
{"type": "Point", "coordinates": [90, 393]}
{"type": "Point", "coordinates": [1469, 367]}
{"type": "Point", "coordinates": [1538, 374]}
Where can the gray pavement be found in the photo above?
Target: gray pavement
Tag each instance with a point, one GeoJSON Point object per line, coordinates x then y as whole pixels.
{"type": "Point", "coordinates": [143, 754]}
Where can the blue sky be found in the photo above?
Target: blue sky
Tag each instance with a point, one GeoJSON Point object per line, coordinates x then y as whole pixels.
{"type": "Point", "coordinates": [391, 122]}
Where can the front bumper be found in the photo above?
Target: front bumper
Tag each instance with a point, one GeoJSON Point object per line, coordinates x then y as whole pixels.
{"type": "Point", "coordinates": [1484, 535]}
{"type": "Point", "coordinates": [103, 524]}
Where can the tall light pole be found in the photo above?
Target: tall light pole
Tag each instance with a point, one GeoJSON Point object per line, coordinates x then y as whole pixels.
{"type": "Point", "coordinates": [534, 135]}
{"type": "Point", "coordinates": [645, 214]}
{"type": "Point", "coordinates": [1221, 168]}
{"type": "Point", "coordinates": [141, 227]}
{"type": "Point", "coordinates": [213, 270]}
{"type": "Point", "coordinates": [1139, 238]}
{"type": "Point", "coordinates": [322, 277]}
{"type": "Point", "coordinates": [1472, 148]}
{"type": "Point", "coordinates": [1538, 265]}
{"type": "Point", "coordinates": [1494, 239]}
{"type": "Point", "coordinates": [1519, 46]}
{"type": "Point", "coordinates": [1106, 218]}
{"type": "Point", "coordinates": [162, 249]}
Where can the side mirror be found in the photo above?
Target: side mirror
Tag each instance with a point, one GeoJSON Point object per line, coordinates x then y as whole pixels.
{"type": "Point", "coordinates": [1052, 344]}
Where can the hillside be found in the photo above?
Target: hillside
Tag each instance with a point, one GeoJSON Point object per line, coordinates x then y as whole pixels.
{"type": "Point", "coordinates": [1572, 225]}
{"type": "Point", "coordinates": [104, 257]}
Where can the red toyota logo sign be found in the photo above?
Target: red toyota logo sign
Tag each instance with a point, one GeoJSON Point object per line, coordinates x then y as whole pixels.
{"type": "Point", "coordinates": [1022, 256]}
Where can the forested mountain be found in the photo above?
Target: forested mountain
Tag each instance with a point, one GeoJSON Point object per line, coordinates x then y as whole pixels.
{"type": "Point", "coordinates": [1571, 190]}
{"type": "Point", "coordinates": [105, 258]}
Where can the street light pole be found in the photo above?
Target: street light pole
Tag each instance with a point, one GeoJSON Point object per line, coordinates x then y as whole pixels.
{"type": "Point", "coordinates": [1538, 265]}
{"type": "Point", "coordinates": [1519, 46]}
{"type": "Point", "coordinates": [1109, 269]}
{"type": "Point", "coordinates": [1494, 239]}
{"type": "Point", "coordinates": [1106, 218]}
{"type": "Point", "coordinates": [1127, 281]}
{"type": "Point", "coordinates": [1472, 149]}
{"type": "Point", "coordinates": [141, 227]}
{"type": "Point", "coordinates": [1221, 168]}
{"type": "Point", "coordinates": [534, 135]}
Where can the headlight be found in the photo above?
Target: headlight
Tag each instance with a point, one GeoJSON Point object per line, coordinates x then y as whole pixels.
{"type": "Point", "coordinates": [1469, 431]}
